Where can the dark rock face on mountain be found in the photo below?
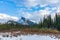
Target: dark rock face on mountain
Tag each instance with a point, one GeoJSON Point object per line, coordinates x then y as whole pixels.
{"type": "Point", "coordinates": [25, 21]}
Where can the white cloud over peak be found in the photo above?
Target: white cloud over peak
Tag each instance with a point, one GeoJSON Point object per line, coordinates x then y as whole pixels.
{"type": "Point", "coordinates": [8, 17]}
{"type": "Point", "coordinates": [26, 15]}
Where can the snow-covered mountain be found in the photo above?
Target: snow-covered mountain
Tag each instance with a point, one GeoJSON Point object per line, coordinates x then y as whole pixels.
{"type": "Point", "coordinates": [25, 21]}
{"type": "Point", "coordinates": [5, 18]}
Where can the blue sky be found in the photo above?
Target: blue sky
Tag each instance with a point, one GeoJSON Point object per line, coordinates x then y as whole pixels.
{"type": "Point", "coordinates": [33, 10]}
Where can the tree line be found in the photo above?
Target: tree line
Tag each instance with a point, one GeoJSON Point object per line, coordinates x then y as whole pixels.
{"type": "Point", "coordinates": [50, 23]}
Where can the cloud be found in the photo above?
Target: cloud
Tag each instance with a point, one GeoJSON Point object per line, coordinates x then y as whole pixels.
{"type": "Point", "coordinates": [31, 3]}
{"type": "Point", "coordinates": [48, 7]}
{"type": "Point", "coordinates": [37, 15]}
{"type": "Point", "coordinates": [5, 17]}
{"type": "Point", "coordinates": [53, 1]}
{"type": "Point", "coordinates": [58, 9]}
{"type": "Point", "coordinates": [27, 15]}
{"type": "Point", "coordinates": [44, 12]}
